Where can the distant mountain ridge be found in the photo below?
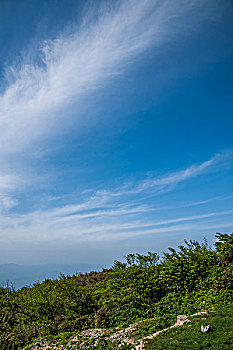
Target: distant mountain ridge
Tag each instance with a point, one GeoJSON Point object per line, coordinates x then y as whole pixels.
{"type": "Point", "coordinates": [25, 275]}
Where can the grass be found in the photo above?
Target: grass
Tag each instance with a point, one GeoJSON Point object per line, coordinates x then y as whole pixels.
{"type": "Point", "coordinates": [147, 327]}
{"type": "Point", "coordinates": [189, 336]}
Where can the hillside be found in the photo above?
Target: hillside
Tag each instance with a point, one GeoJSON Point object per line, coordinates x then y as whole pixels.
{"type": "Point", "coordinates": [192, 278]}
{"type": "Point", "coordinates": [184, 334]}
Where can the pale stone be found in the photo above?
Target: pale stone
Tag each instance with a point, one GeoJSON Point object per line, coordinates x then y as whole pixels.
{"type": "Point", "coordinates": [181, 319]}
{"type": "Point", "coordinates": [205, 329]}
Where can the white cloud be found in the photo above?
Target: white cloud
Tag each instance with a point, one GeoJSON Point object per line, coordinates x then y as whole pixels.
{"type": "Point", "coordinates": [113, 214]}
{"type": "Point", "coordinates": [82, 59]}
{"type": "Point", "coordinates": [8, 184]}
{"type": "Point", "coordinates": [165, 183]}
{"type": "Point", "coordinates": [7, 202]}
{"type": "Point", "coordinates": [39, 228]}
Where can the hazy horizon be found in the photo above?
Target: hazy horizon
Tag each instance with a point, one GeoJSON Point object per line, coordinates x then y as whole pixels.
{"type": "Point", "coordinates": [17, 276]}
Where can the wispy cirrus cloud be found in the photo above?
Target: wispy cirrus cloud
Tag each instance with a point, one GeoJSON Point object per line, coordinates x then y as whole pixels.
{"type": "Point", "coordinates": [165, 183]}
{"type": "Point", "coordinates": [8, 184]}
{"type": "Point", "coordinates": [103, 226]}
{"type": "Point", "coordinates": [51, 78]}
{"type": "Point", "coordinates": [114, 214]}
{"type": "Point", "coordinates": [41, 89]}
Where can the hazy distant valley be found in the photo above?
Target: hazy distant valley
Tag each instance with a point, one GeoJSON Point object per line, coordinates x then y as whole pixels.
{"type": "Point", "coordinates": [25, 275]}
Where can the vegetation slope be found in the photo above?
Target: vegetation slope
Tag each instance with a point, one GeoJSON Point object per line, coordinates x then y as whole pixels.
{"type": "Point", "coordinates": [192, 278]}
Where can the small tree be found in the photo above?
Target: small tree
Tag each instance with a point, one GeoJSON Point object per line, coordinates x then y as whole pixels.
{"type": "Point", "coordinates": [224, 248]}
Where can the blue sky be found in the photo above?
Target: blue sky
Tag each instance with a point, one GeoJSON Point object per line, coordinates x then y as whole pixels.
{"type": "Point", "coordinates": [115, 127]}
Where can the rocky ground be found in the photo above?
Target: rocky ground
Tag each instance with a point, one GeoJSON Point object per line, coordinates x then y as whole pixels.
{"type": "Point", "coordinates": [101, 338]}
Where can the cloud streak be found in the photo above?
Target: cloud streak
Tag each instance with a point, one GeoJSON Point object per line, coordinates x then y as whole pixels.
{"type": "Point", "coordinates": [115, 214]}
{"type": "Point", "coordinates": [165, 183]}
{"type": "Point", "coordinates": [81, 59]}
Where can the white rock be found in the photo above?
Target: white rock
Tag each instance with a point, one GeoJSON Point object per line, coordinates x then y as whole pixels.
{"type": "Point", "coordinates": [205, 329]}
{"type": "Point", "coordinates": [181, 319]}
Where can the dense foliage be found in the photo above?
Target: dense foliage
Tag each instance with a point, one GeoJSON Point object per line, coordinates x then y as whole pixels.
{"type": "Point", "coordinates": [193, 277]}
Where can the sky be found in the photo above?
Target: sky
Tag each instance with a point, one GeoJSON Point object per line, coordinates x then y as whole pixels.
{"type": "Point", "coordinates": [116, 124]}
